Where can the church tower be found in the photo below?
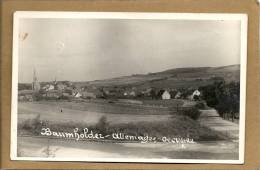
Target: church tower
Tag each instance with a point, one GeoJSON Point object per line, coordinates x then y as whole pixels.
{"type": "Point", "coordinates": [35, 84]}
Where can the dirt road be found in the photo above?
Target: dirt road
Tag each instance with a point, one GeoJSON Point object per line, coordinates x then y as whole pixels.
{"type": "Point", "coordinates": [212, 120]}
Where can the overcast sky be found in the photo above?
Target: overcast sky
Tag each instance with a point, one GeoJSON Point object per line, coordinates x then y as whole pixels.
{"type": "Point", "coordinates": [92, 49]}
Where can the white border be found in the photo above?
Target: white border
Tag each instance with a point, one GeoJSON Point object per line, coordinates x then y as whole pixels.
{"type": "Point", "coordinates": [130, 15]}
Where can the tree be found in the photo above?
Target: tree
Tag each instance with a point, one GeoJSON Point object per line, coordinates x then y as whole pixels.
{"type": "Point", "coordinates": [223, 97]}
{"type": "Point", "coordinates": [102, 125]}
{"type": "Point", "coordinates": [153, 93]}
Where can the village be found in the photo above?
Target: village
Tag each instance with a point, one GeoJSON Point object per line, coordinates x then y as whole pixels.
{"type": "Point", "coordinates": [66, 90]}
{"type": "Point", "coordinates": [196, 110]}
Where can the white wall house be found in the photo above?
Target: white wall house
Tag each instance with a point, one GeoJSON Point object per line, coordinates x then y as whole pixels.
{"type": "Point", "coordinates": [51, 87]}
{"type": "Point", "coordinates": [196, 93]}
{"type": "Point", "coordinates": [77, 95]}
{"type": "Point", "coordinates": [166, 95]}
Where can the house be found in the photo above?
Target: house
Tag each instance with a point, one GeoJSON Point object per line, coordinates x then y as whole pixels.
{"type": "Point", "coordinates": [166, 95]}
{"type": "Point", "coordinates": [51, 87]}
{"type": "Point", "coordinates": [48, 87]}
{"type": "Point", "coordinates": [77, 95]}
{"type": "Point", "coordinates": [60, 86]}
{"type": "Point", "coordinates": [195, 94]}
{"type": "Point", "coordinates": [129, 93]}
{"type": "Point", "coordinates": [178, 95]}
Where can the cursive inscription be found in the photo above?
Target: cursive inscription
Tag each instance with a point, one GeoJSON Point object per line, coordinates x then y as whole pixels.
{"type": "Point", "coordinates": [89, 134]}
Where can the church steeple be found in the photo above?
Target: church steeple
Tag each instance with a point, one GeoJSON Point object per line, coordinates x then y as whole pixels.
{"type": "Point", "coordinates": [55, 80]}
{"type": "Point", "coordinates": [35, 83]}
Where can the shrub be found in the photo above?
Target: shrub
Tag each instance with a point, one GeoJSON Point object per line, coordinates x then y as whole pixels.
{"type": "Point", "coordinates": [196, 98]}
{"type": "Point", "coordinates": [200, 105]}
{"type": "Point", "coordinates": [192, 112]}
{"type": "Point", "coordinates": [32, 125]}
{"type": "Point", "coordinates": [102, 125]}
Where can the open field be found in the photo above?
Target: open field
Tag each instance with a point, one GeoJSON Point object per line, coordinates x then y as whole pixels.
{"type": "Point", "coordinates": [91, 112]}
{"type": "Point", "coordinates": [132, 119]}
{"type": "Point", "coordinates": [151, 117]}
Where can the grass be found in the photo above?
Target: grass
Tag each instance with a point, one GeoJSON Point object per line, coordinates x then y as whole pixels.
{"type": "Point", "coordinates": [193, 113]}
{"type": "Point", "coordinates": [174, 78]}
{"type": "Point", "coordinates": [178, 126]}
{"type": "Point", "coordinates": [201, 105]}
{"type": "Point", "coordinates": [165, 103]}
{"type": "Point", "coordinates": [132, 119]}
{"type": "Point", "coordinates": [103, 106]}
{"type": "Point", "coordinates": [51, 112]}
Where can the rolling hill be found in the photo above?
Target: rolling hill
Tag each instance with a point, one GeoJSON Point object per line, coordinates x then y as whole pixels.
{"type": "Point", "coordinates": [173, 78]}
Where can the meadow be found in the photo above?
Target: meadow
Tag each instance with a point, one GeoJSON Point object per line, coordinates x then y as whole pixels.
{"type": "Point", "coordinates": [91, 111]}
{"type": "Point", "coordinates": [136, 119]}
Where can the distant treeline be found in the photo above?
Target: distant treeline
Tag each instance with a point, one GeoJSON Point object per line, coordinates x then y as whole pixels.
{"type": "Point", "coordinates": [24, 86]}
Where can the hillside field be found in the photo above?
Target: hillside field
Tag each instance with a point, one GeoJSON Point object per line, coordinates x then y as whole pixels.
{"type": "Point", "coordinates": [173, 78]}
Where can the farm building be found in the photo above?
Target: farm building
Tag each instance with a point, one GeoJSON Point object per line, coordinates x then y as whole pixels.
{"type": "Point", "coordinates": [195, 94]}
{"type": "Point", "coordinates": [166, 95]}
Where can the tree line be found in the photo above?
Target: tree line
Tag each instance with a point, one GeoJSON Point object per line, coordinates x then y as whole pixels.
{"type": "Point", "coordinates": [224, 97]}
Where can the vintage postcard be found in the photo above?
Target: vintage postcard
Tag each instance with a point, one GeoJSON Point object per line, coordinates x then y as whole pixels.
{"type": "Point", "coordinates": [129, 87]}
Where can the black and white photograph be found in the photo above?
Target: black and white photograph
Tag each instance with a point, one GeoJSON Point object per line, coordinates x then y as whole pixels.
{"type": "Point", "coordinates": [129, 87]}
